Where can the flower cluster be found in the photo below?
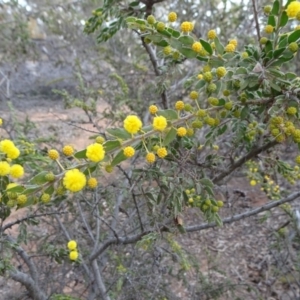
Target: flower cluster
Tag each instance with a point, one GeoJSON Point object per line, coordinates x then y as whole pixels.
{"type": "Point", "coordinates": [73, 252]}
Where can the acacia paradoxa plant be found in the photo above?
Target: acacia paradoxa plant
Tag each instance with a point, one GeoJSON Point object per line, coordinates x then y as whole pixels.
{"type": "Point", "coordinates": [245, 93]}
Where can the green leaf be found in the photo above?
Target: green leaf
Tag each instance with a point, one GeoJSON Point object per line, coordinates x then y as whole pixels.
{"type": "Point", "coordinates": [268, 47]}
{"type": "Point", "coordinates": [169, 114]}
{"type": "Point", "coordinates": [245, 112]}
{"type": "Point", "coordinates": [175, 43]}
{"type": "Point", "coordinates": [218, 220]}
{"type": "Point", "coordinates": [200, 84]}
{"type": "Point", "coordinates": [221, 102]}
{"type": "Point", "coordinates": [16, 189]}
{"type": "Point", "coordinates": [165, 33]}
{"type": "Point", "coordinates": [276, 72]}
{"type": "Point", "coordinates": [275, 9]}
{"type": "Point", "coordinates": [31, 189]}
{"type": "Point", "coordinates": [162, 43]}
{"type": "Point", "coordinates": [118, 159]}
{"type": "Point", "coordinates": [50, 190]}
{"type": "Point", "coordinates": [181, 229]}
{"type": "Point", "coordinates": [219, 46]}
{"type": "Point", "coordinates": [130, 20]}
{"type": "Point", "coordinates": [219, 85]}
{"type": "Point", "coordinates": [222, 129]}
{"type": "Point", "coordinates": [280, 61]}
{"type": "Point", "coordinates": [80, 154]}
{"type": "Point", "coordinates": [119, 133]}
{"type": "Point", "coordinates": [171, 135]}
{"type": "Point", "coordinates": [202, 58]}
{"type": "Point", "coordinates": [111, 145]}
{"type": "Point", "coordinates": [186, 40]}
{"type": "Point", "coordinates": [272, 20]}
{"type": "Point", "coordinates": [278, 52]}
{"type": "Point", "coordinates": [290, 76]}
{"type": "Point", "coordinates": [284, 19]}
{"type": "Point", "coordinates": [155, 38]}
{"type": "Point", "coordinates": [39, 178]}
{"type": "Point", "coordinates": [206, 46]}
{"type": "Point", "coordinates": [241, 70]}
{"type": "Point", "coordinates": [206, 182]}
{"type": "Point", "coordinates": [294, 37]}
{"type": "Point", "coordinates": [275, 86]}
{"type": "Point", "coordinates": [174, 33]}
{"type": "Point", "coordinates": [282, 41]}
{"type": "Point", "coordinates": [134, 3]}
{"type": "Point", "coordinates": [187, 52]}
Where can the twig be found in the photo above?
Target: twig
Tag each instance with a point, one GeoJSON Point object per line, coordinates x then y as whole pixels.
{"type": "Point", "coordinates": [255, 151]}
{"type": "Point", "coordinates": [256, 22]}
{"type": "Point", "coordinates": [9, 225]}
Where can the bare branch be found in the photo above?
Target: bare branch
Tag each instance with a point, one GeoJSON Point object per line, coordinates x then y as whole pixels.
{"type": "Point", "coordinates": [137, 237]}
{"type": "Point", "coordinates": [9, 225]}
{"type": "Point", "coordinates": [30, 285]}
{"type": "Point", "coordinates": [255, 151]}
{"type": "Point", "coordinates": [247, 214]}
{"type": "Point", "coordinates": [256, 21]}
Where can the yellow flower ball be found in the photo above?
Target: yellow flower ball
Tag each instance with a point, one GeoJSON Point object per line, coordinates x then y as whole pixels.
{"type": "Point", "coordinates": [45, 198]}
{"type": "Point", "coordinates": [74, 180]}
{"type": "Point", "coordinates": [13, 153]}
{"type": "Point", "coordinates": [297, 159]}
{"type": "Point", "coordinates": [4, 168]}
{"type": "Point", "coordinates": [221, 72]}
{"type": "Point", "coordinates": [197, 47]}
{"type": "Point", "coordinates": [172, 17]}
{"type": "Point", "coordinates": [269, 29]}
{"type": "Point", "coordinates": [245, 55]}
{"type": "Point", "coordinates": [181, 131]}
{"type": "Point", "coordinates": [16, 171]}
{"type": "Point", "coordinates": [129, 151]}
{"type": "Point", "coordinates": [179, 105]}
{"type": "Point", "coordinates": [92, 183]}
{"type": "Point", "coordinates": [162, 152]}
{"type": "Point", "coordinates": [293, 9]}
{"type": "Point", "coordinates": [72, 245]}
{"type": "Point", "coordinates": [159, 123]}
{"type": "Point", "coordinates": [151, 19]}
{"type": "Point", "coordinates": [160, 26]}
{"type": "Point", "coordinates": [150, 157]}
{"type": "Point", "coordinates": [190, 132]}
{"type": "Point", "coordinates": [1, 121]}
{"type": "Point", "coordinates": [233, 42]}
{"type": "Point", "coordinates": [95, 152]}
{"type": "Point", "coordinates": [211, 34]}
{"type": "Point", "coordinates": [53, 154]}
{"type": "Point", "coordinates": [291, 110]}
{"type": "Point", "coordinates": [73, 255]}
{"type": "Point", "coordinates": [200, 76]}
{"type": "Point", "coordinates": [132, 124]}
{"type": "Point", "coordinates": [68, 150]}
{"type": "Point", "coordinates": [21, 199]}
{"type": "Point", "coordinates": [109, 168]}
{"type": "Point", "coordinates": [229, 48]}
{"type": "Point", "coordinates": [153, 109]}
{"type": "Point", "coordinates": [167, 50]}
{"type": "Point", "coordinates": [253, 182]}
{"type": "Point", "coordinates": [186, 27]}
{"type": "Point", "coordinates": [6, 145]}
{"type": "Point", "coordinates": [194, 95]}
{"type": "Point", "coordinates": [100, 139]}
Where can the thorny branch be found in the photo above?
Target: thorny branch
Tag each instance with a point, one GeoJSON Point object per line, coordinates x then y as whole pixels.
{"type": "Point", "coordinates": [136, 237]}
